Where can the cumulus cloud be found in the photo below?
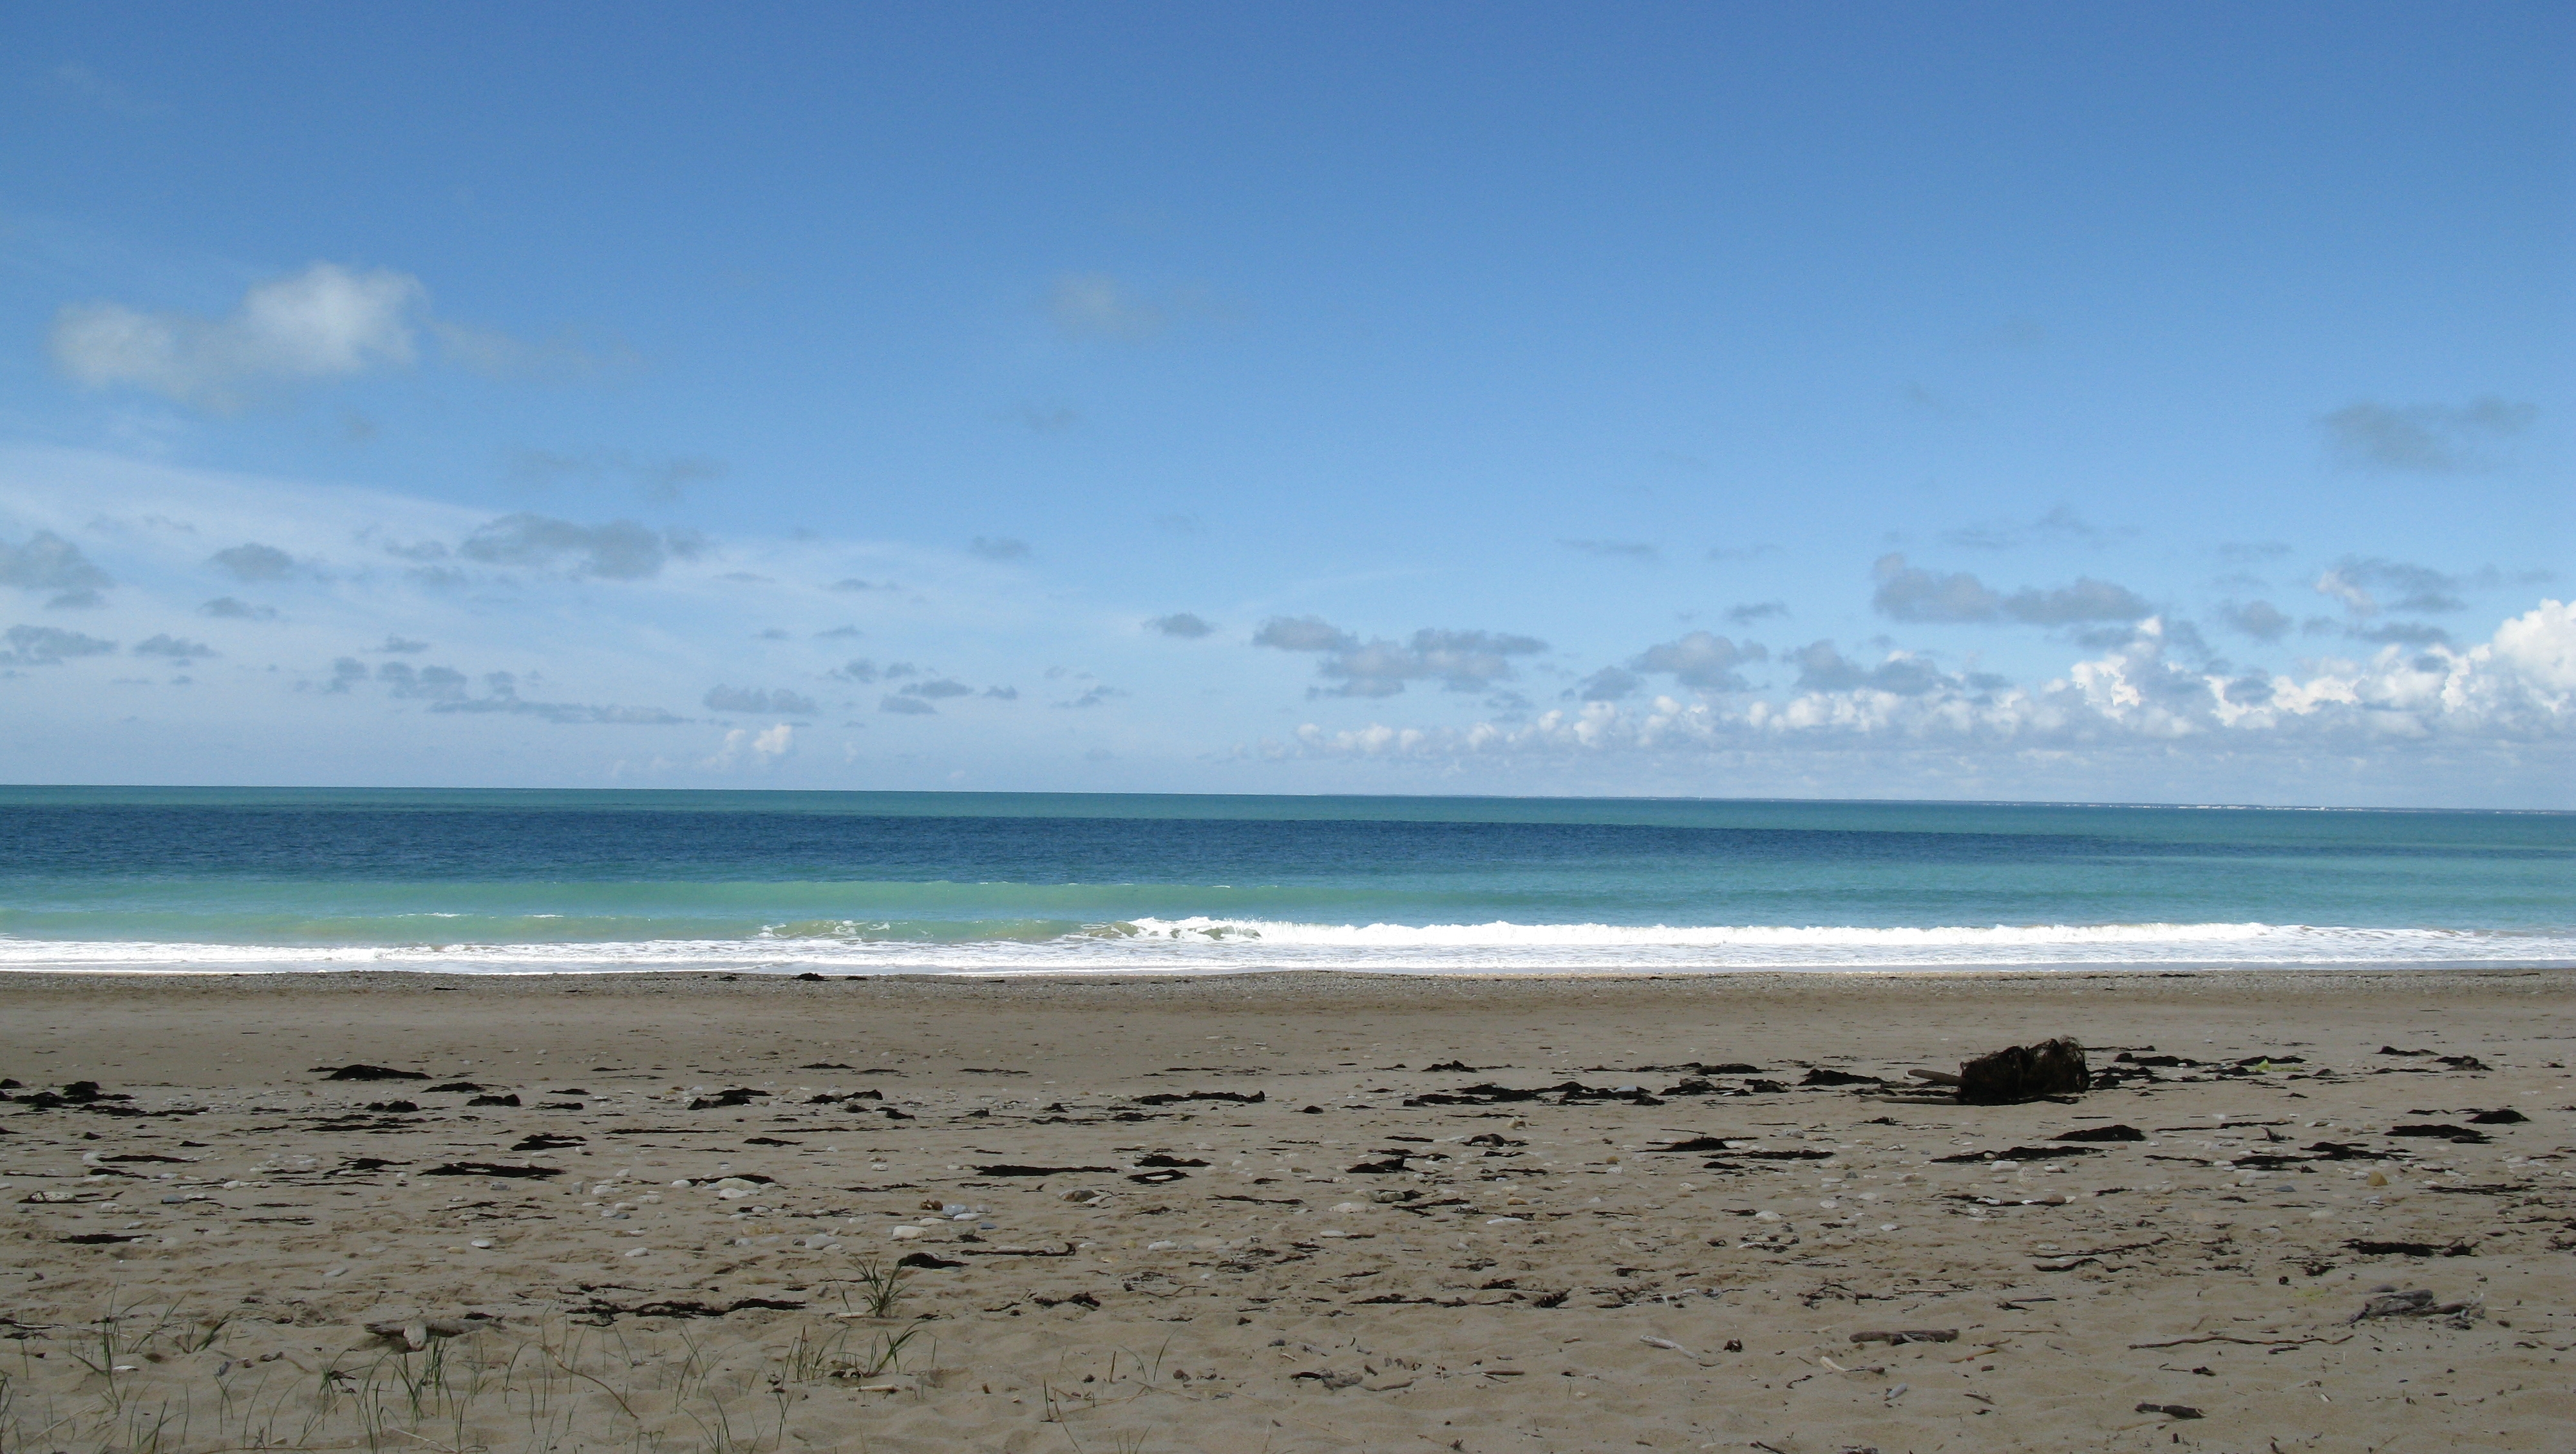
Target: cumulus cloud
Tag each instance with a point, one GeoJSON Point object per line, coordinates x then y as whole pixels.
{"type": "Point", "coordinates": [759, 700]}
{"type": "Point", "coordinates": [1461, 661]}
{"type": "Point", "coordinates": [1182, 624]}
{"type": "Point", "coordinates": [2520, 686]}
{"type": "Point", "coordinates": [856, 669]}
{"type": "Point", "coordinates": [1609, 684]}
{"type": "Point", "coordinates": [2424, 438]}
{"type": "Point", "coordinates": [178, 648]}
{"type": "Point", "coordinates": [938, 688]}
{"type": "Point", "coordinates": [1911, 593]}
{"type": "Point", "coordinates": [48, 562]}
{"type": "Point", "coordinates": [906, 706]}
{"type": "Point", "coordinates": [1747, 612]}
{"type": "Point", "coordinates": [252, 561]}
{"type": "Point", "coordinates": [998, 547]}
{"type": "Point", "coordinates": [620, 550]}
{"type": "Point", "coordinates": [763, 749]}
{"type": "Point", "coordinates": [2360, 583]}
{"type": "Point", "coordinates": [2259, 619]}
{"type": "Point", "coordinates": [1823, 669]}
{"type": "Point", "coordinates": [235, 609]}
{"type": "Point", "coordinates": [48, 646]}
{"type": "Point", "coordinates": [1303, 633]}
{"type": "Point", "coordinates": [402, 646]}
{"type": "Point", "coordinates": [2086, 600]}
{"type": "Point", "coordinates": [323, 322]}
{"type": "Point", "coordinates": [1701, 660]}
{"type": "Point", "coordinates": [1092, 698]}
{"type": "Point", "coordinates": [1635, 550]}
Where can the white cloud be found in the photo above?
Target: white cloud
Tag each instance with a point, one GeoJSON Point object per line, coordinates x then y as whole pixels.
{"type": "Point", "coordinates": [2357, 582]}
{"type": "Point", "coordinates": [2518, 687]}
{"type": "Point", "coordinates": [1911, 593]}
{"type": "Point", "coordinates": [761, 749]}
{"type": "Point", "coordinates": [1461, 661]}
{"type": "Point", "coordinates": [324, 322]}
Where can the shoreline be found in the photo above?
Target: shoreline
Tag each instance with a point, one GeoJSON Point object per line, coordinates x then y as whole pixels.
{"type": "Point", "coordinates": [1538, 973]}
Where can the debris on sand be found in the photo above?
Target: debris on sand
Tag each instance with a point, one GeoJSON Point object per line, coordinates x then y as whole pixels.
{"type": "Point", "coordinates": [2177, 1411]}
{"type": "Point", "coordinates": [2389, 1302]}
{"type": "Point", "coordinates": [2025, 1073]}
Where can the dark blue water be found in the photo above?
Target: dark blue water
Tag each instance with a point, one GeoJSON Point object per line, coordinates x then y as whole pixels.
{"type": "Point", "coordinates": [859, 882]}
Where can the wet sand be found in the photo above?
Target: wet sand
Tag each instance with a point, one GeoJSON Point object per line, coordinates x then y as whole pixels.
{"type": "Point", "coordinates": [1284, 1212]}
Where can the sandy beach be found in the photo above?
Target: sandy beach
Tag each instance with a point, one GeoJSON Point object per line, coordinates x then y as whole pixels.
{"type": "Point", "coordinates": [1284, 1212]}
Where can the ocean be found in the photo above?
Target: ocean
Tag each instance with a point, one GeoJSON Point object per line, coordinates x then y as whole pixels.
{"type": "Point", "coordinates": [502, 882]}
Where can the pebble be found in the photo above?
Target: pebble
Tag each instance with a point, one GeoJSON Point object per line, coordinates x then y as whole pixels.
{"type": "Point", "coordinates": [485, 1243]}
{"type": "Point", "coordinates": [903, 1234]}
{"type": "Point", "coordinates": [635, 1252]}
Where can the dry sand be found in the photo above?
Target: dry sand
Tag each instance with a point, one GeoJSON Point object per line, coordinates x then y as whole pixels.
{"type": "Point", "coordinates": [1361, 1253]}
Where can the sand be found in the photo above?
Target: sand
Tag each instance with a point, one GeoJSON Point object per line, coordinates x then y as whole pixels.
{"type": "Point", "coordinates": [1275, 1213]}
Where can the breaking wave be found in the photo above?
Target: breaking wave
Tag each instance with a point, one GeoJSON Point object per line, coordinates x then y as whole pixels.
{"type": "Point", "coordinates": [1211, 945]}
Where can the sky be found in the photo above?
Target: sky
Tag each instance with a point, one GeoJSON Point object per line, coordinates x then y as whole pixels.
{"type": "Point", "coordinates": [2078, 403]}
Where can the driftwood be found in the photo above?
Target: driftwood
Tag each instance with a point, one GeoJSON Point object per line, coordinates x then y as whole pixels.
{"type": "Point", "coordinates": [1910, 1335]}
{"type": "Point", "coordinates": [2025, 1073]}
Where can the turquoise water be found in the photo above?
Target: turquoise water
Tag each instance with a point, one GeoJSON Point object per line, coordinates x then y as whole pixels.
{"type": "Point", "coordinates": [1004, 883]}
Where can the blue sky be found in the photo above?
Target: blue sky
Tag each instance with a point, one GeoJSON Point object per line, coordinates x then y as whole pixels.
{"type": "Point", "coordinates": [2162, 403]}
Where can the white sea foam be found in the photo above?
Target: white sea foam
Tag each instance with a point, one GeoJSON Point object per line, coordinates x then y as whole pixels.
{"type": "Point", "coordinates": [1200, 945]}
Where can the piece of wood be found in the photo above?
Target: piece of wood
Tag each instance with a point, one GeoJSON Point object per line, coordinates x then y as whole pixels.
{"type": "Point", "coordinates": [1909, 1335]}
{"type": "Point", "coordinates": [2230, 1338]}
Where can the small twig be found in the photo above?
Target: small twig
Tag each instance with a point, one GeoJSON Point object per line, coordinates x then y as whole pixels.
{"type": "Point", "coordinates": [2231, 1338]}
